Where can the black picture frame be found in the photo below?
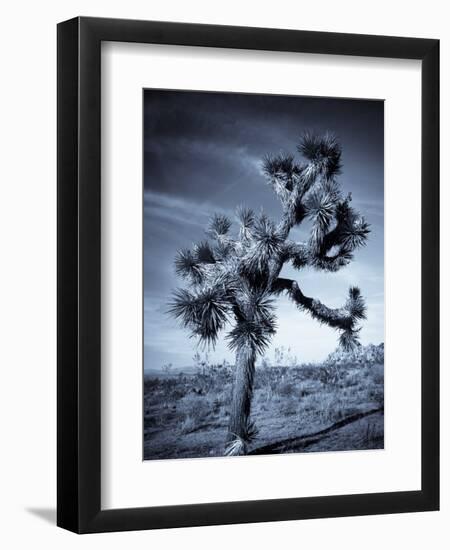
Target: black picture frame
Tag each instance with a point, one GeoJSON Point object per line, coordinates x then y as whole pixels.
{"type": "Point", "coordinates": [79, 280]}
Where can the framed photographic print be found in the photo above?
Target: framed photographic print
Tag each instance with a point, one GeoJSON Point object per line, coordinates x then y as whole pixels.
{"type": "Point", "coordinates": [248, 255]}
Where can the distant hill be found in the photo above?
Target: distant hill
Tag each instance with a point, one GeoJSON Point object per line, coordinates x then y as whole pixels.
{"type": "Point", "coordinates": [362, 355]}
{"type": "Point", "coordinates": [174, 371]}
{"type": "Point", "coordinates": [369, 355]}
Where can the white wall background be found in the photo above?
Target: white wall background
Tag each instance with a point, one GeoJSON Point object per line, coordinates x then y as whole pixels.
{"type": "Point", "coordinates": [28, 270]}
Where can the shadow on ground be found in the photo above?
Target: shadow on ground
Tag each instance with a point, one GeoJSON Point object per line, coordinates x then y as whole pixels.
{"type": "Point", "coordinates": [46, 514]}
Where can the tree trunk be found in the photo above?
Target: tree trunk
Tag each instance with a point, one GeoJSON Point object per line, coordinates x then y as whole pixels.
{"type": "Point", "coordinates": [242, 396]}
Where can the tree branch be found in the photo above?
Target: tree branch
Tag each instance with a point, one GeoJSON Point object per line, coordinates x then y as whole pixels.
{"type": "Point", "coordinates": [297, 253]}
{"type": "Point", "coordinates": [302, 255]}
{"type": "Point", "coordinates": [341, 318]}
{"type": "Point", "coordinates": [341, 258]}
{"type": "Point", "coordinates": [349, 233]}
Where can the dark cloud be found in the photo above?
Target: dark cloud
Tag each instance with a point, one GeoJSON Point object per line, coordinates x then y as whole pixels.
{"type": "Point", "coordinates": [202, 152]}
{"type": "Point", "coordinates": [207, 132]}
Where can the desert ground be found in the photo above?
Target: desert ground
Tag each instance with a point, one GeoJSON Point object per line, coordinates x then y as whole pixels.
{"type": "Point", "coordinates": [336, 405]}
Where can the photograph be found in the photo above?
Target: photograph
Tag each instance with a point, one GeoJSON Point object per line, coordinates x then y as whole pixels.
{"type": "Point", "coordinates": [263, 274]}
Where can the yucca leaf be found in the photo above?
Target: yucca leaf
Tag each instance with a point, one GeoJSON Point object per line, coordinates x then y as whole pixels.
{"type": "Point", "coordinates": [283, 174]}
{"type": "Point", "coordinates": [255, 303]}
{"type": "Point", "coordinates": [236, 447]}
{"type": "Point", "coordinates": [320, 208]}
{"type": "Point", "coordinates": [323, 152]}
{"type": "Point", "coordinates": [204, 312]}
{"type": "Point", "coordinates": [299, 256]}
{"type": "Point", "coordinates": [349, 340]}
{"type": "Point", "coordinates": [183, 307]}
{"type": "Point", "coordinates": [219, 225]}
{"type": "Point", "coordinates": [254, 335]}
{"type": "Point", "coordinates": [187, 266]}
{"type": "Point", "coordinates": [355, 304]}
{"type": "Point", "coordinates": [204, 253]}
{"type": "Point", "coordinates": [354, 232]}
{"type": "Point", "coordinates": [223, 250]}
{"type": "Point", "coordinates": [331, 263]}
{"type": "Point", "coordinates": [266, 237]}
{"type": "Point", "coordinates": [246, 216]}
{"type": "Point", "coordinates": [266, 245]}
{"type": "Point", "coordinates": [281, 166]}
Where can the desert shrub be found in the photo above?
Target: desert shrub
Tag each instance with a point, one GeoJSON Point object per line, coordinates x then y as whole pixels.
{"type": "Point", "coordinates": [350, 380]}
{"type": "Point", "coordinates": [200, 409]}
{"type": "Point", "coordinates": [263, 377]}
{"type": "Point", "coordinates": [376, 395]}
{"type": "Point", "coordinates": [329, 374]}
{"type": "Point", "coordinates": [304, 391]}
{"type": "Point", "coordinates": [377, 372]}
{"type": "Point", "coordinates": [219, 374]}
{"type": "Point", "coordinates": [326, 407]}
{"type": "Point", "coordinates": [178, 393]}
{"type": "Point", "coordinates": [282, 371]}
{"type": "Point", "coordinates": [366, 374]}
{"type": "Point", "coordinates": [156, 397]}
{"type": "Point", "coordinates": [312, 403]}
{"type": "Point", "coordinates": [285, 389]}
{"type": "Point", "coordinates": [333, 409]}
{"type": "Point", "coordinates": [264, 395]}
{"type": "Point", "coordinates": [308, 371]}
{"type": "Point", "coordinates": [151, 383]}
{"type": "Point", "coordinates": [290, 406]}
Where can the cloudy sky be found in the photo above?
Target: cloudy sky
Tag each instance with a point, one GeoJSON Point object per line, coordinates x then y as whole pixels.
{"type": "Point", "coordinates": [202, 154]}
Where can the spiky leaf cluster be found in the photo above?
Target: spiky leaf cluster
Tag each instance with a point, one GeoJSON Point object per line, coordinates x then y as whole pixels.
{"type": "Point", "coordinates": [229, 278]}
{"type": "Point", "coordinates": [204, 313]}
{"type": "Point", "coordinates": [246, 219]}
{"type": "Point", "coordinates": [264, 246]}
{"type": "Point", "coordinates": [256, 319]}
{"type": "Point", "coordinates": [219, 225]}
{"type": "Point", "coordinates": [323, 152]}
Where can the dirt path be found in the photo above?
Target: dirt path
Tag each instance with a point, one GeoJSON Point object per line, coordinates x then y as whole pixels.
{"type": "Point", "coordinates": [344, 432]}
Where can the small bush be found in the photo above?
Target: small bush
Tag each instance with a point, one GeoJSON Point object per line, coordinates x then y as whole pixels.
{"type": "Point", "coordinates": [377, 395]}
{"type": "Point", "coordinates": [285, 389]}
{"type": "Point", "coordinates": [151, 383]}
{"type": "Point", "coordinates": [290, 406]}
{"type": "Point", "coordinates": [378, 374]}
{"type": "Point", "coordinates": [350, 380]}
{"type": "Point", "coordinates": [329, 374]}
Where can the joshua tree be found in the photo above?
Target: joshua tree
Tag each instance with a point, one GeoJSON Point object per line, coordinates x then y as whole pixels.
{"type": "Point", "coordinates": [234, 278]}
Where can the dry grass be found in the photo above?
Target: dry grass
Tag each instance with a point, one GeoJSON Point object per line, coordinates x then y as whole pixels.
{"type": "Point", "coordinates": [187, 416]}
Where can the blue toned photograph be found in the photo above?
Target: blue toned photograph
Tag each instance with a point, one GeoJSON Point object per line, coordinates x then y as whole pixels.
{"type": "Point", "coordinates": [263, 274]}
